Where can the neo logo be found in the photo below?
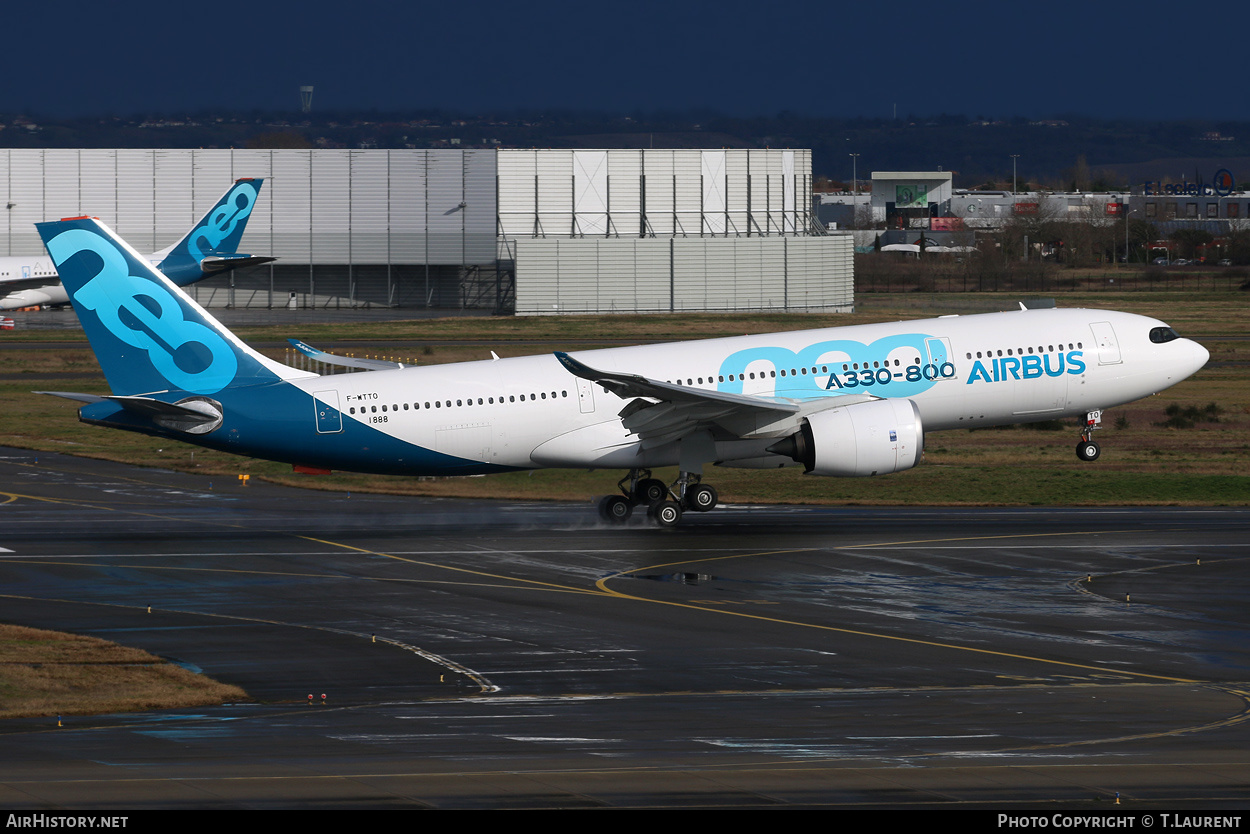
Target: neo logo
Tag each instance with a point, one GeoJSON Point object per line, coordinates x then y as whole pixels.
{"type": "Point", "coordinates": [221, 221]}
{"type": "Point", "coordinates": [146, 315]}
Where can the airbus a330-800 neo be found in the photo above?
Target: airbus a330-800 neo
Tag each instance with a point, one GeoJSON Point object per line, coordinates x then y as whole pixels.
{"type": "Point", "coordinates": [841, 401]}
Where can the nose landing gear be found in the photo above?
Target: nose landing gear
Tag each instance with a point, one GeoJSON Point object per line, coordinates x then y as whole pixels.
{"type": "Point", "coordinates": [1088, 449]}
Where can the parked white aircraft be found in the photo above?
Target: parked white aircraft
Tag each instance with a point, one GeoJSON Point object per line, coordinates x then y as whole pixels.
{"type": "Point", "coordinates": [209, 248]}
{"type": "Point", "coordinates": [843, 401]}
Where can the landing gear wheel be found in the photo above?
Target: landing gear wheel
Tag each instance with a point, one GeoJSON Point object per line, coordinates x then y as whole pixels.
{"type": "Point", "coordinates": [1087, 450]}
{"type": "Point", "coordinates": [665, 513]}
{"type": "Point", "coordinates": [701, 498]}
{"type": "Point", "coordinates": [615, 509]}
{"type": "Point", "coordinates": [650, 491]}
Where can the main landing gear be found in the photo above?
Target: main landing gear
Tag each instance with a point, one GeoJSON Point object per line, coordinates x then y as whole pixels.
{"type": "Point", "coordinates": [665, 504]}
{"type": "Point", "coordinates": [1087, 449]}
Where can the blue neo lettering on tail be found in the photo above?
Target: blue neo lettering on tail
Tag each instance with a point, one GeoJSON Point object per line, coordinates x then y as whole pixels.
{"type": "Point", "coordinates": [222, 220]}
{"type": "Point", "coordinates": [144, 314]}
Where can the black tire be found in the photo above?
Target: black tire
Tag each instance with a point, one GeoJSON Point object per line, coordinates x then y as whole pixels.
{"type": "Point", "coordinates": [615, 509]}
{"type": "Point", "coordinates": [1087, 450]}
{"type": "Point", "coordinates": [649, 491]}
{"type": "Point", "coordinates": [701, 498]}
{"type": "Point", "coordinates": [665, 513]}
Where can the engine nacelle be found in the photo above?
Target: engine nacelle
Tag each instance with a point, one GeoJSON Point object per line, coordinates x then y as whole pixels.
{"type": "Point", "coordinates": [872, 438]}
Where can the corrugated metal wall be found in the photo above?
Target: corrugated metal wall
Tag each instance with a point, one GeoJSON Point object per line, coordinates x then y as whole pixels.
{"type": "Point", "coordinates": [661, 193]}
{"type": "Point", "coordinates": [642, 230]}
{"type": "Point", "coordinates": [356, 207]}
{"type": "Point", "coordinates": [650, 275]}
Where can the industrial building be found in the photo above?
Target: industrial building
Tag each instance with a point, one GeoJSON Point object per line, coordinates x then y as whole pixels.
{"type": "Point", "coordinates": [525, 231]}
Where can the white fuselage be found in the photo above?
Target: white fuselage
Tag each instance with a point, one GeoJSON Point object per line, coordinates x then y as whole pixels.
{"type": "Point", "coordinates": [961, 372]}
{"type": "Point", "coordinates": [37, 278]}
{"type": "Point", "coordinates": [37, 282]}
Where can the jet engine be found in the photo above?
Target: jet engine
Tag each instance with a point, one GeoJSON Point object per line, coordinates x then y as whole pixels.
{"type": "Point", "coordinates": [872, 438]}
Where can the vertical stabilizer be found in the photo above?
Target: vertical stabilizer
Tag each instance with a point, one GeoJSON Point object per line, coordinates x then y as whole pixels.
{"type": "Point", "coordinates": [214, 238]}
{"type": "Point", "coordinates": [148, 335]}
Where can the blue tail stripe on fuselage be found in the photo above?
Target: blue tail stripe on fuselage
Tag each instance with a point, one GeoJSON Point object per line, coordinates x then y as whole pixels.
{"type": "Point", "coordinates": [278, 422]}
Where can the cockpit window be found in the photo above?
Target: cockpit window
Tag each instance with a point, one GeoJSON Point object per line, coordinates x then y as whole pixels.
{"type": "Point", "coordinates": [1159, 335]}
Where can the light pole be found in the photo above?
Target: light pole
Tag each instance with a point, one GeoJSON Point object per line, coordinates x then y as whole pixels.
{"type": "Point", "coordinates": [854, 190]}
{"type": "Point", "coordinates": [1014, 157]}
{"type": "Point", "coordinates": [1125, 209]}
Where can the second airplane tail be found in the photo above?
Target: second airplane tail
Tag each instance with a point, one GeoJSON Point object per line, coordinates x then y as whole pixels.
{"type": "Point", "coordinates": [212, 244]}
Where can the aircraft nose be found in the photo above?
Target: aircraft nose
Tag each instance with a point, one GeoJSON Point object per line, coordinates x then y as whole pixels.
{"type": "Point", "coordinates": [1198, 356]}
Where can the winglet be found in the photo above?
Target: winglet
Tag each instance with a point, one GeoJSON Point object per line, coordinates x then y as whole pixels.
{"type": "Point", "coordinates": [576, 368]}
{"type": "Point", "coordinates": [345, 361]}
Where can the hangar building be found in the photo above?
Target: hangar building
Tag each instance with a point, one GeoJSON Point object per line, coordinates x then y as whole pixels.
{"type": "Point", "coordinates": [525, 231]}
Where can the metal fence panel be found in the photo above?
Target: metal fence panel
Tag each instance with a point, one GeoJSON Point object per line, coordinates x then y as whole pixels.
{"type": "Point", "coordinates": [406, 207]}
{"type": "Point", "coordinates": [26, 196]}
{"type": "Point", "coordinates": [330, 181]}
{"type": "Point", "coordinates": [368, 203]}
{"type": "Point", "coordinates": [291, 196]}
{"type": "Point", "coordinates": [482, 207]}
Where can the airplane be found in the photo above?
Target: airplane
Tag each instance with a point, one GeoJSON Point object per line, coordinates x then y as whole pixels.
{"type": "Point", "coordinates": [208, 249]}
{"type": "Point", "coordinates": [842, 401]}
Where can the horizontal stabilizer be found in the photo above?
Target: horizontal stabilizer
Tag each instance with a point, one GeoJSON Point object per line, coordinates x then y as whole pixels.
{"type": "Point", "coordinates": [345, 361]}
{"type": "Point", "coordinates": [72, 395]}
{"type": "Point", "coordinates": [215, 264]}
{"type": "Point", "coordinates": [193, 415]}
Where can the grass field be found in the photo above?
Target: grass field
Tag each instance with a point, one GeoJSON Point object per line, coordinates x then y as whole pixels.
{"type": "Point", "coordinates": [49, 673]}
{"type": "Point", "coordinates": [1148, 458]}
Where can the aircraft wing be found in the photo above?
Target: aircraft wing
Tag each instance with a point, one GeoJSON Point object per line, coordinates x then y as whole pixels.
{"type": "Point", "coordinates": [12, 285]}
{"type": "Point", "coordinates": [345, 361]}
{"type": "Point", "coordinates": [681, 410]}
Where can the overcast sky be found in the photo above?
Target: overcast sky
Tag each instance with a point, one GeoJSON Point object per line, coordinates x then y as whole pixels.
{"type": "Point", "coordinates": [1145, 60]}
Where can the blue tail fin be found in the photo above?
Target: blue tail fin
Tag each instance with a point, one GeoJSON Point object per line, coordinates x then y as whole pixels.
{"type": "Point", "coordinates": [148, 335]}
{"type": "Point", "coordinates": [215, 238]}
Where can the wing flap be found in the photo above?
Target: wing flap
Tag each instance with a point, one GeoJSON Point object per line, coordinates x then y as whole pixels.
{"type": "Point", "coordinates": [661, 413]}
{"type": "Point", "coordinates": [632, 385]}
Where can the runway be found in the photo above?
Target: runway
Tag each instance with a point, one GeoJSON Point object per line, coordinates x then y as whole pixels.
{"type": "Point", "coordinates": [509, 655]}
